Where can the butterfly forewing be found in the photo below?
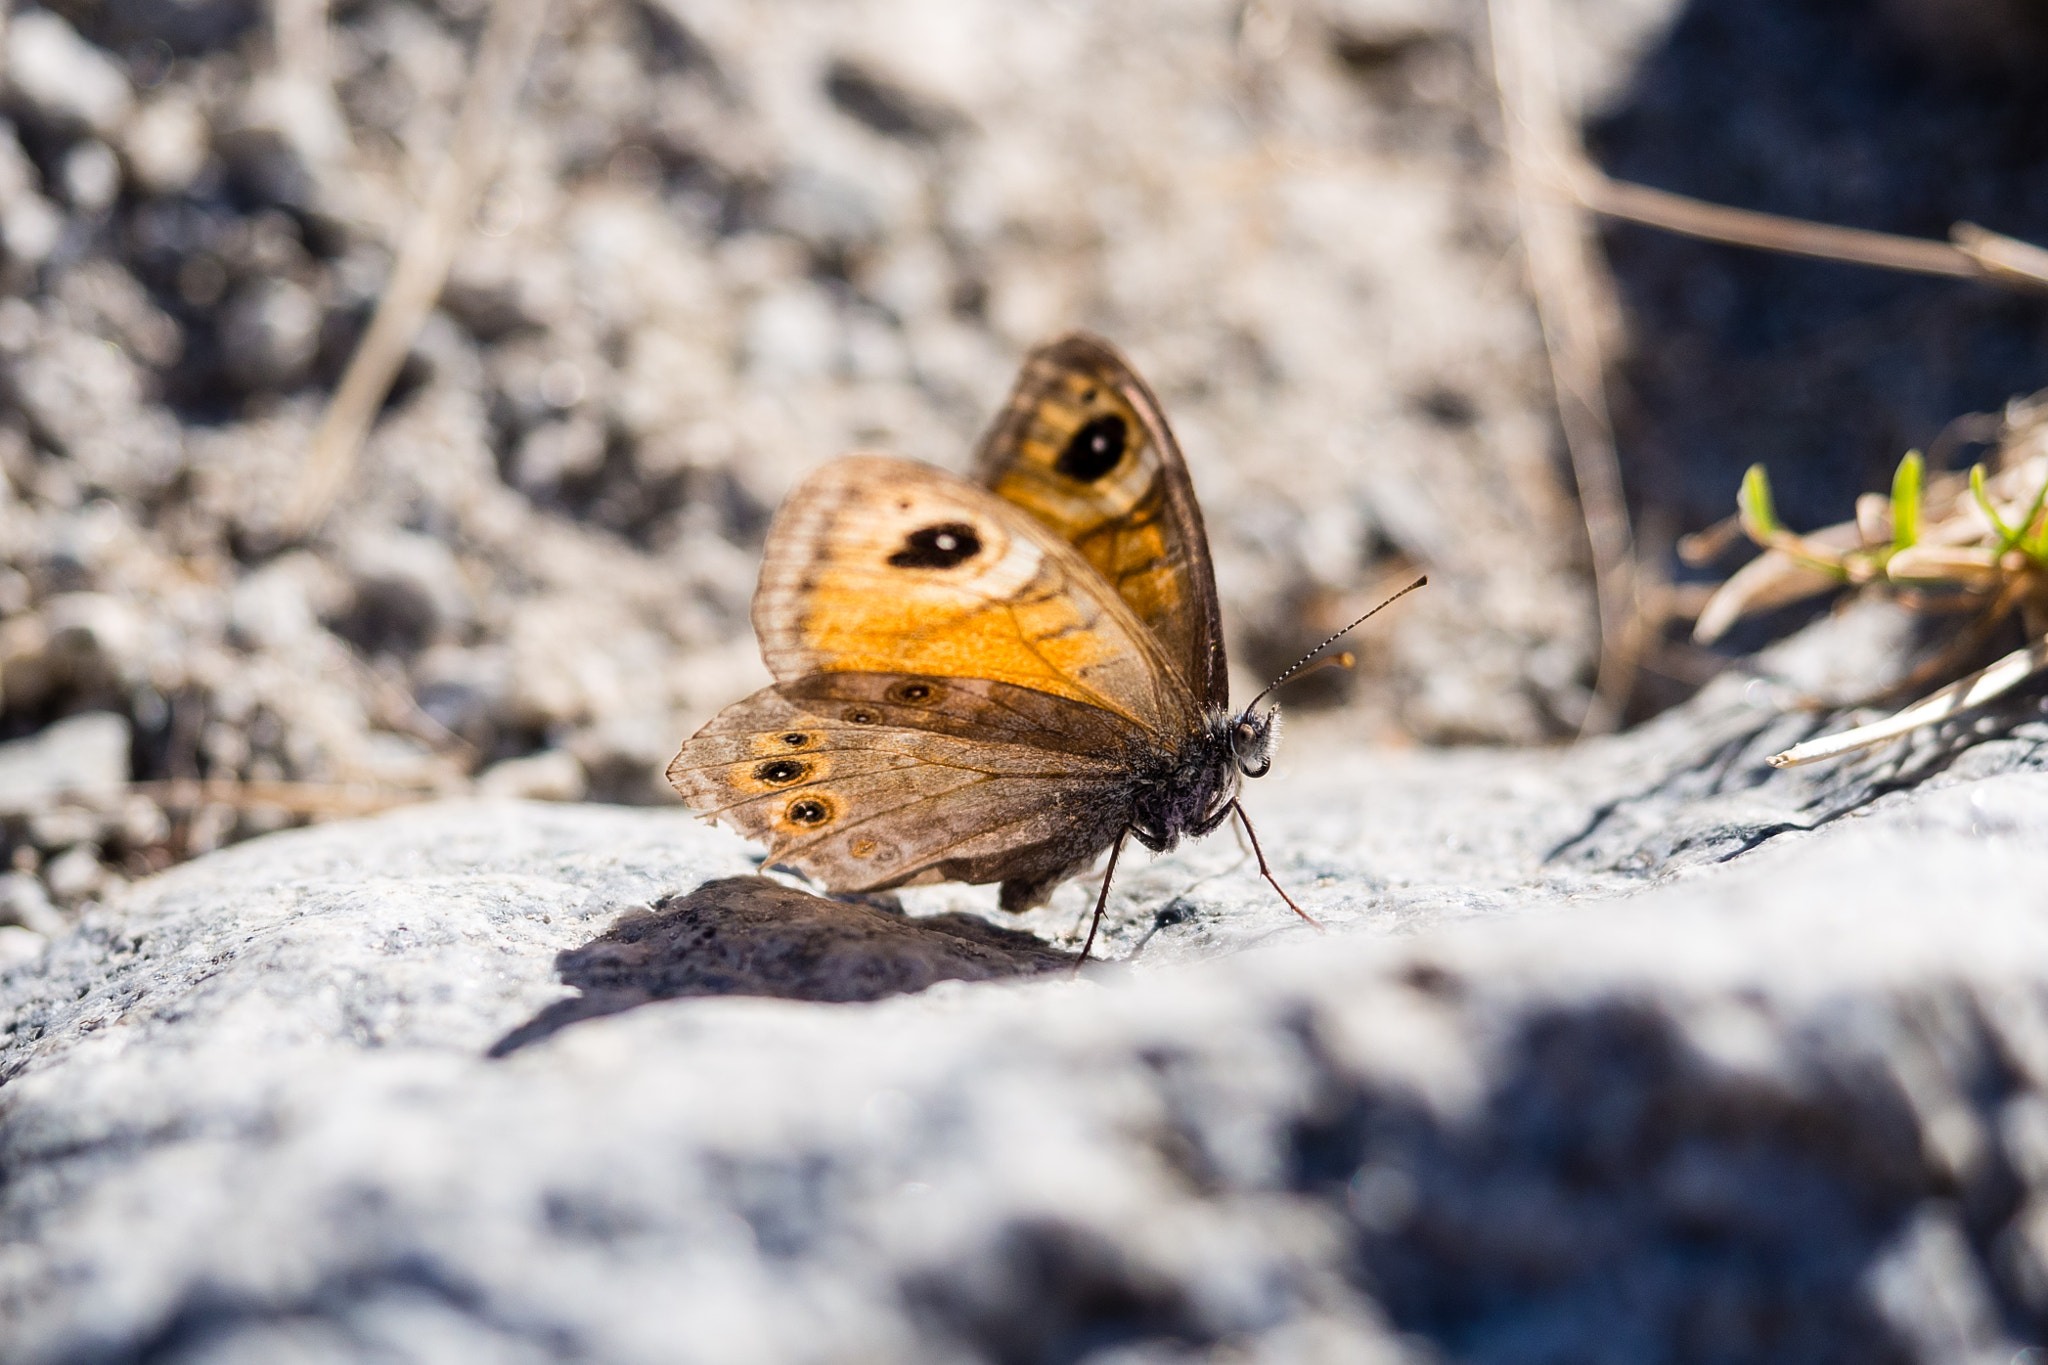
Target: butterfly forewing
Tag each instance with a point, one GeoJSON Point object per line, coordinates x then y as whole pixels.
{"type": "Point", "coordinates": [876, 565]}
{"type": "Point", "coordinates": [1084, 448]}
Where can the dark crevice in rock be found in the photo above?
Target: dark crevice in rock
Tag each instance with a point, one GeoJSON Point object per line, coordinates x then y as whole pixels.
{"type": "Point", "coordinates": [754, 936]}
{"type": "Point", "coordinates": [214, 1323]}
{"type": "Point", "coordinates": [1717, 800]}
{"type": "Point", "coordinates": [1052, 1292]}
{"type": "Point", "coordinates": [1754, 839]}
{"type": "Point", "coordinates": [1619, 1197]}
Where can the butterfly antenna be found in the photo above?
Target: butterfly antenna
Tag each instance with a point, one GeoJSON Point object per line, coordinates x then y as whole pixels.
{"type": "Point", "coordinates": [1333, 640]}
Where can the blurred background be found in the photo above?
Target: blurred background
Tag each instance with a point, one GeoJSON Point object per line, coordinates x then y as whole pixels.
{"type": "Point", "coordinates": [712, 243]}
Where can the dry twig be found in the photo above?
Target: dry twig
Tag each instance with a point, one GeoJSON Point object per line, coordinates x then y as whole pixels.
{"type": "Point", "coordinates": [330, 799]}
{"type": "Point", "coordinates": [1573, 306]}
{"type": "Point", "coordinates": [1973, 253]}
{"type": "Point", "coordinates": [421, 269]}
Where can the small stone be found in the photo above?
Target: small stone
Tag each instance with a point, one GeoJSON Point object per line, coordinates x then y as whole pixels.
{"type": "Point", "coordinates": [87, 399]}
{"type": "Point", "coordinates": [92, 176]}
{"type": "Point", "coordinates": [825, 209]}
{"type": "Point", "coordinates": [143, 823]}
{"type": "Point", "coordinates": [793, 333]}
{"type": "Point", "coordinates": [84, 756]}
{"type": "Point", "coordinates": [65, 79]}
{"type": "Point", "coordinates": [29, 226]}
{"type": "Point", "coordinates": [75, 875]}
{"type": "Point", "coordinates": [60, 826]}
{"type": "Point", "coordinates": [280, 605]}
{"type": "Point", "coordinates": [24, 902]}
{"type": "Point", "coordinates": [554, 452]}
{"type": "Point", "coordinates": [271, 334]}
{"type": "Point", "coordinates": [166, 143]}
{"type": "Point", "coordinates": [19, 946]}
{"type": "Point", "coordinates": [551, 775]}
{"type": "Point", "coordinates": [408, 590]}
{"type": "Point", "coordinates": [97, 642]}
{"type": "Point", "coordinates": [209, 827]}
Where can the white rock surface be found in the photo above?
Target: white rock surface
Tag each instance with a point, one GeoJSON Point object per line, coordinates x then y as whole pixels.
{"type": "Point", "coordinates": [1525, 1101]}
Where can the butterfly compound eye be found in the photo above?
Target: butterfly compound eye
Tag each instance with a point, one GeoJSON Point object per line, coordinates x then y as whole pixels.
{"type": "Point", "coordinates": [1252, 744]}
{"type": "Point", "coordinates": [1095, 449]}
{"type": "Point", "coordinates": [938, 547]}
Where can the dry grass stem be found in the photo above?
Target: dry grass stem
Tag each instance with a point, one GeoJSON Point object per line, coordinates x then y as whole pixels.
{"type": "Point", "coordinates": [1974, 690]}
{"type": "Point", "coordinates": [1575, 307]}
{"type": "Point", "coordinates": [424, 256]}
{"type": "Point", "coordinates": [1975, 253]}
{"type": "Point", "coordinates": [300, 798]}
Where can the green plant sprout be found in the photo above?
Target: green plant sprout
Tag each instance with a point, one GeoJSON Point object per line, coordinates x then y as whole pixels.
{"type": "Point", "coordinates": [1978, 541]}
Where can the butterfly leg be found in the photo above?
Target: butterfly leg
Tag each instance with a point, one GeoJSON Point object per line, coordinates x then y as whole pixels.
{"type": "Point", "coordinates": [1102, 898]}
{"type": "Point", "coordinates": [1265, 871]}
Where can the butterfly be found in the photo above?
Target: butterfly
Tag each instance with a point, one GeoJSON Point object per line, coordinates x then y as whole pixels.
{"type": "Point", "coordinates": [995, 680]}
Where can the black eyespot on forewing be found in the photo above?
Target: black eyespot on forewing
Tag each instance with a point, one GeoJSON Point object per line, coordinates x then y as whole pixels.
{"type": "Point", "coordinates": [938, 547]}
{"type": "Point", "coordinates": [780, 771]}
{"type": "Point", "coordinates": [1095, 449]}
{"type": "Point", "coordinates": [796, 739]}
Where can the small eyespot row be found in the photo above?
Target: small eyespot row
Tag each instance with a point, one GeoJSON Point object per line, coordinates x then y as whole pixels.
{"type": "Point", "coordinates": [781, 771]}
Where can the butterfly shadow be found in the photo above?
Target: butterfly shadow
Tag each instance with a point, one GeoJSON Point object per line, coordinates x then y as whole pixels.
{"type": "Point", "coordinates": [754, 936]}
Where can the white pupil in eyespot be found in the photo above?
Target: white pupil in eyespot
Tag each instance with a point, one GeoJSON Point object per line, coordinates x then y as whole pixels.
{"type": "Point", "coordinates": [947, 543]}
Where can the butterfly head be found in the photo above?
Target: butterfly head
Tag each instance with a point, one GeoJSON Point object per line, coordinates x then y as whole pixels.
{"type": "Point", "coordinates": [1253, 735]}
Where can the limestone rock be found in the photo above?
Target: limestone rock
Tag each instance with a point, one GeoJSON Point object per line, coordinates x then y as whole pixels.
{"type": "Point", "coordinates": [66, 80]}
{"type": "Point", "coordinates": [1638, 1052]}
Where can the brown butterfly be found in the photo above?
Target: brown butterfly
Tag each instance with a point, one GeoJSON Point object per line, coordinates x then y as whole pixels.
{"type": "Point", "coordinates": [991, 681]}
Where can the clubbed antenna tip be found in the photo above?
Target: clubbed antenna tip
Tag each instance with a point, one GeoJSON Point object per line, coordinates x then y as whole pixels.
{"type": "Point", "coordinates": [1334, 639]}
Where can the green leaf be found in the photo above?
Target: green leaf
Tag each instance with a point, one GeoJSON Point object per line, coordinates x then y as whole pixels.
{"type": "Point", "coordinates": [1906, 501]}
{"type": "Point", "coordinates": [1753, 503]}
{"type": "Point", "coordinates": [2006, 535]}
{"type": "Point", "coordinates": [2036, 546]}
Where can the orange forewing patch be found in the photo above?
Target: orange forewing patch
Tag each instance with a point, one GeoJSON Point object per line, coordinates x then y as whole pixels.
{"type": "Point", "coordinates": [863, 589]}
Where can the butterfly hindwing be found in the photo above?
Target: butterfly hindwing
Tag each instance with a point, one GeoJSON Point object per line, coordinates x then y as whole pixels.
{"type": "Point", "coordinates": [876, 565]}
{"type": "Point", "coordinates": [866, 781]}
{"type": "Point", "coordinates": [1083, 446]}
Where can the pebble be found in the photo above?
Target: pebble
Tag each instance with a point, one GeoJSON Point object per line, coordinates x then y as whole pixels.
{"type": "Point", "coordinates": [75, 874]}
{"type": "Point", "coordinates": [166, 143]}
{"type": "Point", "coordinates": [84, 755]}
{"type": "Point", "coordinates": [65, 79]}
{"type": "Point", "coordinates": [91, 176]}
{"type": "Point", "coordinates": [19, 946]}
{"type": "Point", "coordinates": [408, 590]}
{"type": "Point", "coordinates": [24, 902]}
{"type": "Point", "coordinates": [271, 332]}
{"type": "Point", "coordinates": [550, 775]}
